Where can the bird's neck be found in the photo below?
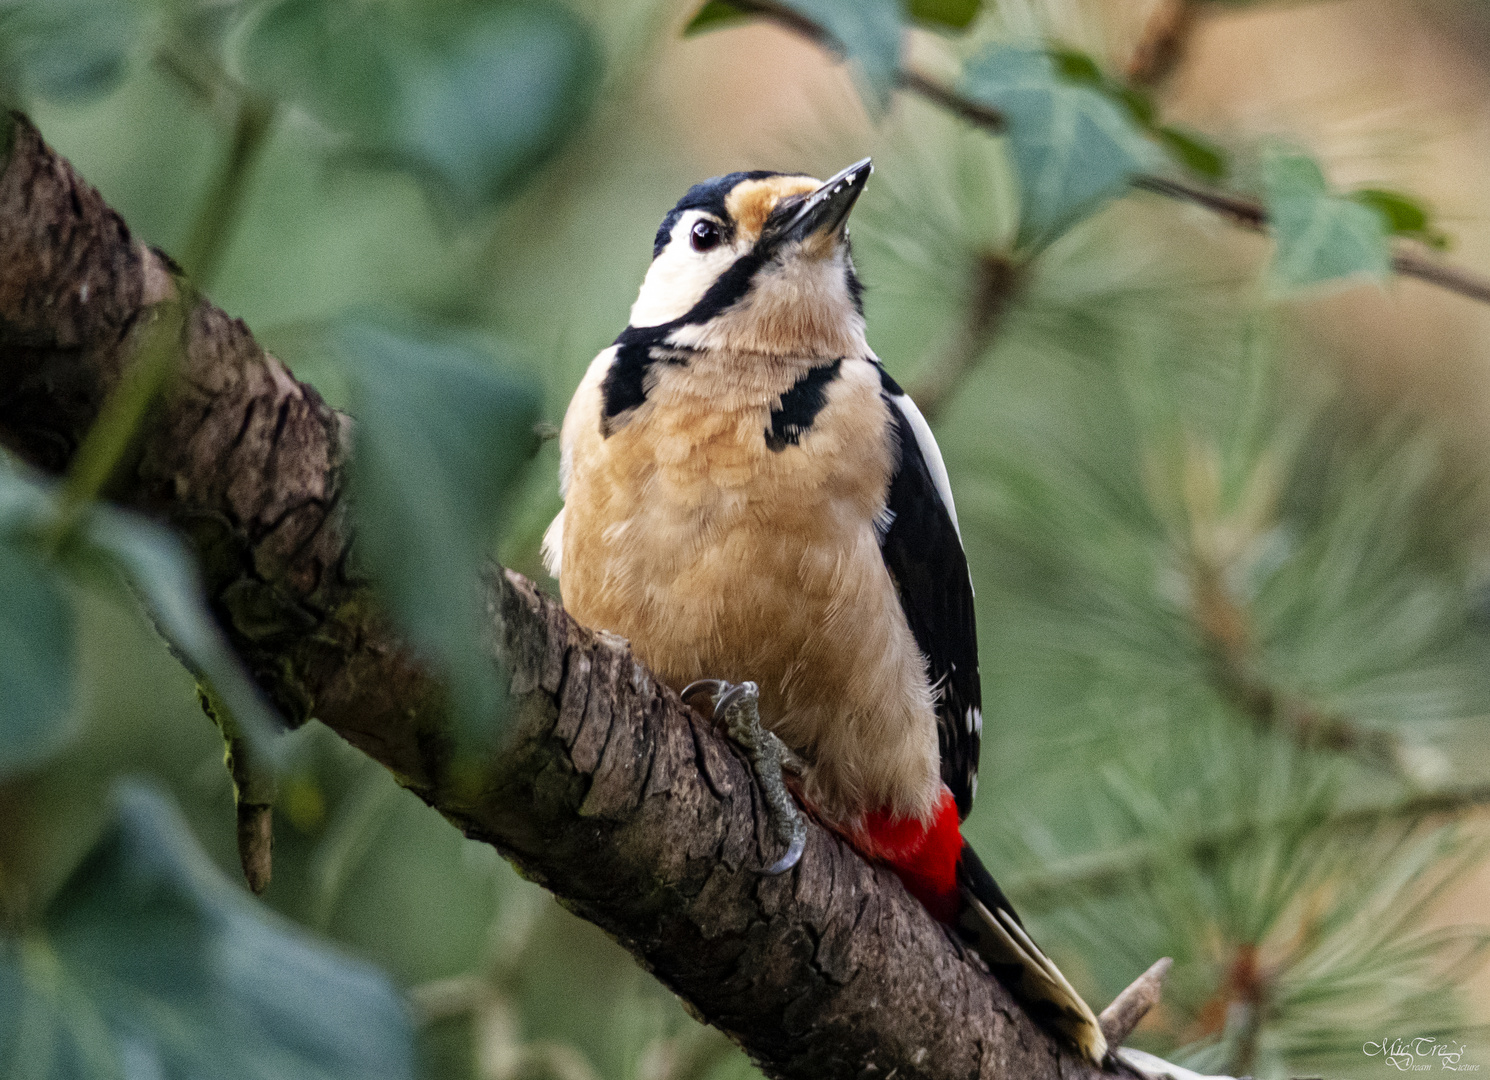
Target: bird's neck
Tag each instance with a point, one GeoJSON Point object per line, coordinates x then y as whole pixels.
{"type": "Point", "coordinates": [733, 381]}
{"type": "Point", "coordinates": [790, 329]}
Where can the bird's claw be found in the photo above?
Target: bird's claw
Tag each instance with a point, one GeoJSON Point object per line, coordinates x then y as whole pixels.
{"type": "Point", "coordinates": [737, 706]}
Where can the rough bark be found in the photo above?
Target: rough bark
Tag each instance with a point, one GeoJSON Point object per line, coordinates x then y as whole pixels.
{"type": "Point", "coordinates": [608, 790]}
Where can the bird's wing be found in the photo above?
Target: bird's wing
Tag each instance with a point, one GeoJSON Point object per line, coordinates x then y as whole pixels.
{"type": "Point", "coordinates": [922, 548]}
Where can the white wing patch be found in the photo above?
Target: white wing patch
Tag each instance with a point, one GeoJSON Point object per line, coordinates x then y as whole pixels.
{"type": "Point", "coordinates": [930, 452]}
{"type": "Point", "coordinates": [553, 546]}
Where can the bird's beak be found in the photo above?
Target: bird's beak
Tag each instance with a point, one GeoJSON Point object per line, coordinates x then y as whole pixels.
{"type": "Point", "coordinates": [820, 212]}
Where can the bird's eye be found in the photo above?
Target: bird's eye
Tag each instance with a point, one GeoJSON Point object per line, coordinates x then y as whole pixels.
{"type": "Point", "coordinates": [705, 234]}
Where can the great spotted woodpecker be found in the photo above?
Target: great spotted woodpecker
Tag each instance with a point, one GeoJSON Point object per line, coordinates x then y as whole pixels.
{"type": "Point", "coordinates": [748, 495]}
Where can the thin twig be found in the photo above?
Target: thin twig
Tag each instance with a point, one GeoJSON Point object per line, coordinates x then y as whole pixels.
{"type": "Point", "coordinates": [996, 279]}
{"type": "Point", "coordinates": [1225, 627]}
{"type": "Point", "coordinates": [974, 112]}
{"type": "Point", "coordinates": [1424, 268]}
{"type": "Point", "coordinates": [1162, 46]}
{"type": "Point", "coordinates": [1240, 210]}
{"type": "Point", "coordinates": [1244, 212]}
{"type": "Point", "coordinates": [791, 20]}
{"type": "Point", "coordinates": [1120, 1018]}
{"type": "Point", "coordinates": [1107, 871]}
{"type": "Point", "coordinates": [213, 228]}
{"type": "Point", "coordinates": [1250, 214]}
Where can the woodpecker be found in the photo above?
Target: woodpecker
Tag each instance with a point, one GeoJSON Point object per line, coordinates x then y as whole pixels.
{"type": "Point", "coordinates": [752, 501]}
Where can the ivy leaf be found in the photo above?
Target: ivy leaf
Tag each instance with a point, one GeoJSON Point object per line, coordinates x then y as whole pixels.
{"type": "Point", "coordinates": [153, 562]}
{"type": "Point", "coordinates": [714, 14]}
{"type": "Point", "coordinates": [494, 97]}
{"type": "Point", "coordinates": [1195, 154]}
{"type": "Point", "coordinates": [952, 14]}
{"type": "Point", "coordinates": [469, 100]}
{"type": "Point", "coordinates": [1073, 147]}
{"type": "Point", "coordinates": [864, 32]}
{"type": "Point", "coordinates": [38, 661]}
{"type": "Point", "coordinates": [161, 569]}
{"type": "Point", "coordinates": [441, 436]}
{"type": "Point", "coordinates": [66, 50]}
{"type": "Point", "coordinates": [337, 61]}
{"type": "Point", "coordinates": [149, 964]}
{"type": "Point", "coordinates": [868, 34]}
{"type": "Point", "coordinates": [1320, 236]}
{"type": "Point", "coordinates": [1139, 103]}
{"type": "Point", "coordinates": [1403, 215]}
{"type": "Point", "coordinates": [1077, 67]}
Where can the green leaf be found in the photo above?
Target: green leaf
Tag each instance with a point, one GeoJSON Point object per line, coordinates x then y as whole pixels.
{"type": "Point", "coordinates": [868, 35]}
{"type": "Point", "coordinates": [1404, 215]}
{"type": "Point", "coordinates": [1077, 67]}
{"type": "Point", "coordinates": [864, 32]}
{"type": "Point", "coordinates": [337, 61]}
{"type": "Point", "coordinates": [441, 436]}
{"type": "Point", "coordinates": [149, 964]}
{"type": "Point", "coordinates": [1139, 104]}
{"type": "Point", "coordinates": [496, 96]}
{"type": "Point", "coordinates": [1401, 213]}
{"type": "Point", "coordinates": [66, 50]}
{"type": "Point", "coordinates": [38, 657]}
{"type": "Point", "coordinates": [1320, 236]}
{"type": "Point", "coordinates": [953, 14]}
{"type": "Point", "coordinates": [470, 100]}
{"type": "Point", "coordinates": [714, 14]}
{"type": "Point", "coordinates": [1073, 148]}
{"type": "Point", "coordinates": [161, 569]}
{"type": "Point", "coordinates": [1195, 154]}
{"type": "Point", "coordinates": [158, 567]}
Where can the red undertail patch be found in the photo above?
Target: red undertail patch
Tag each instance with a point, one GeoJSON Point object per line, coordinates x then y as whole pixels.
{"type": "Point", "coordinates": [924, 856]}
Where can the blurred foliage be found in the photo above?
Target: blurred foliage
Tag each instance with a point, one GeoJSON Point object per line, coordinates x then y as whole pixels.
{"type": "Point", "coordinates": [951, 14]}
{"type": "Point", "coordinates": [70, 50]}
{"type": "Point", "coordinates": [1404, 215]}
{"type": "Point", "coordinates": [470, 97]}
{"type": "Point", "coordinates": [866, 33]}
{"type": "Point", "coordinates": [1232, 644]}
{"type": "Point", "coordinates": [38, 637]}
{"type": "Point", "coordinates": [1321, 236]}
{"type": "Point", "coordinates": [440, 439]}
{"type": "Point", "coordinates": [1073, 147]}
{"type": "Point", "coordinates": [147, 963]}
{"type": "Point", "coordinates": [44, 537]}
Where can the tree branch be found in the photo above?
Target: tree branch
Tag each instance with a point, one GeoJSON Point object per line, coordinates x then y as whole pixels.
{"type": "Point", "coordinates": [609, 791]}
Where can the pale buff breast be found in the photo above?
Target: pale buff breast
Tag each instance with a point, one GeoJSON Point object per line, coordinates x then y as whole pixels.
{"type": "Point", "coordinates": [718, 557]}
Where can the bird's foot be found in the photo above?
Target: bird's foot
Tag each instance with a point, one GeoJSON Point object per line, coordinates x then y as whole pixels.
{"type": "Point", "coordinates": [737, 707]}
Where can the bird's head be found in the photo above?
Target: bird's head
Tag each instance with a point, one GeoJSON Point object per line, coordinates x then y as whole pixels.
{"type": "Point", "coordinates": [758, 262]}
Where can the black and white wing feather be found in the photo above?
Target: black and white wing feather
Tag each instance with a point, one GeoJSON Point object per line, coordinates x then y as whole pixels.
{"type": "Point", "coordinates": [922, 548]}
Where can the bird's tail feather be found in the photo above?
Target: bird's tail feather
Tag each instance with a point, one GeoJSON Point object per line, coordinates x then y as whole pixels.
{"type": "Point", "coordinates": [987, 921]}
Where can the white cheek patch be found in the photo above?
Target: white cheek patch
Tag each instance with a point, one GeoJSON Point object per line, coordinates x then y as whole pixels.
{"type": "Point", "coordinates": [680, 276]}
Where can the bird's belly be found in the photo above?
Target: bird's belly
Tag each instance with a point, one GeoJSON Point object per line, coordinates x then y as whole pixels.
{"type": "Point", "coordinates": [727, 562]}
{"type": "Point", "coordinates": [725, 582]}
